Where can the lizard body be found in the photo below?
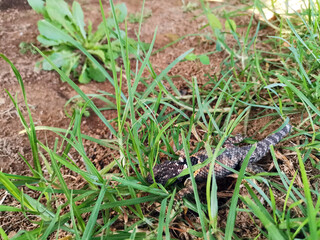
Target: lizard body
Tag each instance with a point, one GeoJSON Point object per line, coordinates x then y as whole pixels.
{"type": "Point", "coordinates": [232, 157]}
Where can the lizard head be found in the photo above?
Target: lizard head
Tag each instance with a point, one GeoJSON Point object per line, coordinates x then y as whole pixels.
{"type": "Point", "coordinates": [164, 171]}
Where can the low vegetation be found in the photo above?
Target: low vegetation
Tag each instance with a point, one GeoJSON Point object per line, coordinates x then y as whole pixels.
{"type": "Point", "coordinates": [69, 42]}
{"type": "Point", "coordinates": [254, 83]}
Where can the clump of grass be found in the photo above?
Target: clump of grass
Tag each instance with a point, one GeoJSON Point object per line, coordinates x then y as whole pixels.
{"type": "Point", "coordinates": [293, 93]}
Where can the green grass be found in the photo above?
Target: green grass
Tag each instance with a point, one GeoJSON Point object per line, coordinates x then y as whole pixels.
{"type": "Point", "coordinates": [146, 124]}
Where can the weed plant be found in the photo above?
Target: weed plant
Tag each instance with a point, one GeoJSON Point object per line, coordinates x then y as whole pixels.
{"type": "Point", "coordinates": [147, 123]}
{"type": "Point", "coordinates": [62, 29]}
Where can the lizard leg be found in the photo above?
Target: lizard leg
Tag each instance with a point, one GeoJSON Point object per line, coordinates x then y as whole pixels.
{"type": "Point", "coordinates": [182, 154]}
{"type": "Point", "coordinates": [188, 189]}
{"type": "Point", "coordinates": [229, 142]}
{"type": "Point", "coordinates": [254, 168]}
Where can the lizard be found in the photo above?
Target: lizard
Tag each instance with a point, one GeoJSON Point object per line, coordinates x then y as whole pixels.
{"type": "Point", "coordinates": [232, 157]}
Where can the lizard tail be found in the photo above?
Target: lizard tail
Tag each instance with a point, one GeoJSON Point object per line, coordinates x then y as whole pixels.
{"type": "Point", "coordinates": [263, 146]}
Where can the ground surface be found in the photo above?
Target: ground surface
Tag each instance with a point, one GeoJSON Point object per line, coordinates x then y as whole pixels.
{"type": "Point", "coordinates": [47, 95]}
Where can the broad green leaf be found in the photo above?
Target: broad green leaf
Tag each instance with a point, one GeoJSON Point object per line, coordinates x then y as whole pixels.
{"type": "Point", "coordinates": [71, 64]}
{"type": "Point", "coordinates": [49, 31]}
{"type": "Point", "coordinates": [78, 18]}
{"type": "Point", "coordinates": [115, 35]}
{"type": "Point", "coordinates": [116, 49]}
{"type": "Point", "coordinates": [98, 53]}
{"type": "Point", "coordinates": [230, 25]}
{"type": "Point", "coordinates": [121, 12]}
{"type": "Point", "coordinates": [109, 65]}
{"type": "Point", "coordinates": [58, 10]}
{"type": "Point", "coordinates": [89, 31]}
{"type": "Point", "coordinates": [214, 22]}
{"type": "Point", "coordinates": [84, 78]}
{"type": "Point", "coordinates": [96, 74]}
{"type": "Point", "coordinates": [47, 42]}
{"type": "Point", "coordinates": [204, 59]}
{"type": "Point", "coordinates": [110, 23]}
{"type": "Point", "coordinates": [98, 35]}
{"type": "Point", "coordinates": [60, 59]}
{"type": "Point", "coordinates": [191, 57]}
{"type": "Point", "coordinates": [37, 5]}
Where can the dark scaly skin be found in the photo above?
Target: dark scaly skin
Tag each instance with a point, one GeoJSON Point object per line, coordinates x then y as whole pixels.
{"type": "Point", "coordinates": [232, 157]}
